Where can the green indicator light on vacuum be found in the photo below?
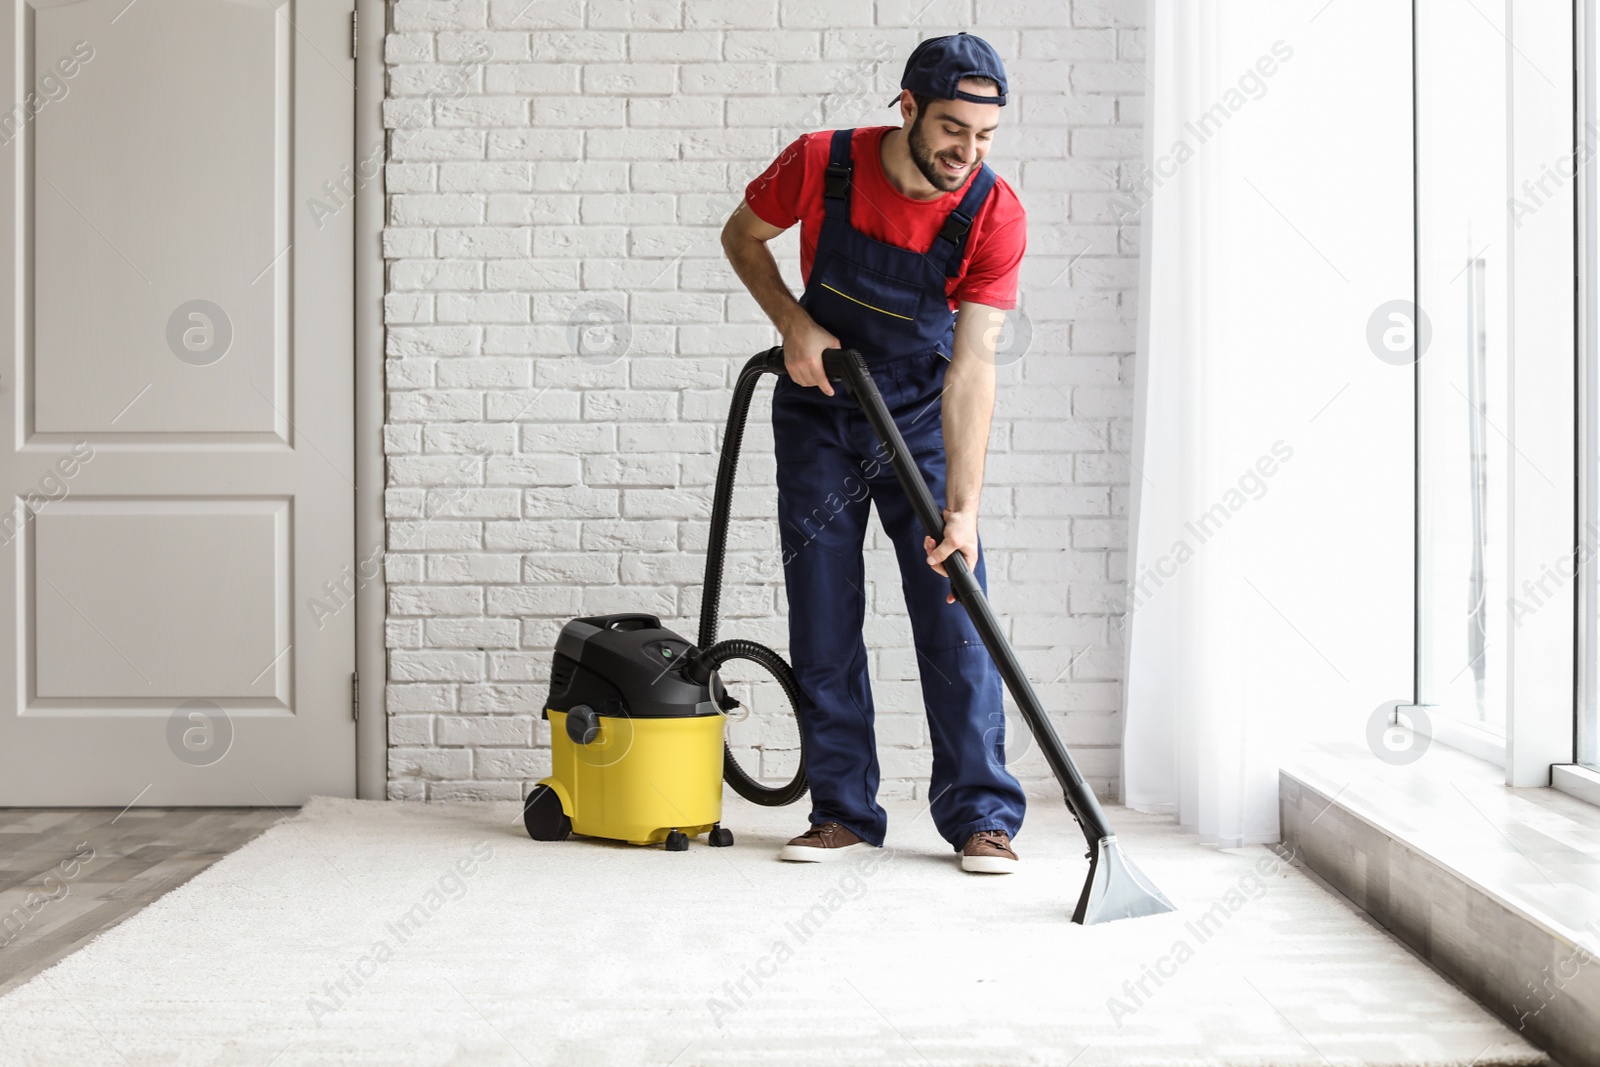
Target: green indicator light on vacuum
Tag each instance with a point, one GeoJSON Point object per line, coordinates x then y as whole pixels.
{"type": "Point", "coordinates": [667, 652]}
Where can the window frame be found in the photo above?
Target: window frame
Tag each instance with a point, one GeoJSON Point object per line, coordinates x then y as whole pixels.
{"type": "Point", "coordinates": [1551, 668]}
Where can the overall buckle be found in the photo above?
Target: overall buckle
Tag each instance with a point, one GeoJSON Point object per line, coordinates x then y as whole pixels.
{"type": "Point", "coordinates": [836, 180]}
{"type": "Point", "coordinates": [956, 226]}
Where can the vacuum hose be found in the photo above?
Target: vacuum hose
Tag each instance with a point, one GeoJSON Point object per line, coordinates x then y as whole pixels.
{"type": "Point", "coordinates": [1115, 887]}
{"type": "Point", "coordinates": [714, 654]}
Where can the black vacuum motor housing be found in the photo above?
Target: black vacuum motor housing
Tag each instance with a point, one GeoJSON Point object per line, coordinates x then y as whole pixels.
{"type": "Point", "coordinates": [627, 665]}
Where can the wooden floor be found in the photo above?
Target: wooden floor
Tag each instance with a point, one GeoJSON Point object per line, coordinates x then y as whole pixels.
{"type": "Point", "coordinates": [66, 875]}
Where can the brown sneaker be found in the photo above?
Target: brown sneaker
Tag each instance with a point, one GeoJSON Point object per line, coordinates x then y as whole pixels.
{"type": "Point", "coordinates": [988, 852]}
{"type": "Point", "coordinates": [820, 844]}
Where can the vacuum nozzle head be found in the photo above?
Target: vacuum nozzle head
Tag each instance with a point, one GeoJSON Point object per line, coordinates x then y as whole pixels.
{"type": "Point", "coordinates": [1116, 889]}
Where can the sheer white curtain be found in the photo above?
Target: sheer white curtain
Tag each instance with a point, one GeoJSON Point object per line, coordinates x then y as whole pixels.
{"type": "Point", "coordinates": [1269, 574]}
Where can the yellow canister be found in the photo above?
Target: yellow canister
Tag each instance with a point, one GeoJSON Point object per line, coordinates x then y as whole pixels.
{"type": "Point", "coordinates": [640, 778]}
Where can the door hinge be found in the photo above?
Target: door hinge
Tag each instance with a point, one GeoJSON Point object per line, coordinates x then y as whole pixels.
{"type": "Point", "coordinates": [354, 21]}
{"type": "Point", "coordinates": [355, 696]}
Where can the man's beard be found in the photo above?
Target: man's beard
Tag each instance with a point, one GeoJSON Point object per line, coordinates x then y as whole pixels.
{"type": "Point", "coordinates": [928, 164]}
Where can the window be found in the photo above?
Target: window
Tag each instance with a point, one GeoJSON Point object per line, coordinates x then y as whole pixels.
{"type": "Point", "coordinates": [1462, 282]}
{"type": "Point", "coordinates": [1503, 622]}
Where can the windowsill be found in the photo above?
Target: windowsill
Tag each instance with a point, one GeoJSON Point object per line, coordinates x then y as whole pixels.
{"type": "Point", "coordinates": [1497, 887]}
{"type": "Point", "coordinates": [1535, 850]}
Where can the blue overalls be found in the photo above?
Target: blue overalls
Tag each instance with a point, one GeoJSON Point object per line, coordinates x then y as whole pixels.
{"type": "Point", "coordinates": [889, 303]}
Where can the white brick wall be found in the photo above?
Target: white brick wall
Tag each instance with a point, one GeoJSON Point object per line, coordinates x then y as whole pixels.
{"type": "Point", "coordinates": [549, 156]}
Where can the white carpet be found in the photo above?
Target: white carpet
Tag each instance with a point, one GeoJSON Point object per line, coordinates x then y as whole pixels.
{"type": "Point", "coordinates": [583, 952]}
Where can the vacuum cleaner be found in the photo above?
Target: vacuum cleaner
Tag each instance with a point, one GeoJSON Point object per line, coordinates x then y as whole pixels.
{"type": "Point", "coordinates": [637, 713]}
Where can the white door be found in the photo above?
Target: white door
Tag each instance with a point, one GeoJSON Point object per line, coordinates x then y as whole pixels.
{"type": "Point", "coordinates": [176, 427]}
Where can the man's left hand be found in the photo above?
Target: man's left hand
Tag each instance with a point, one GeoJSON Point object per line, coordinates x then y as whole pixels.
{"type": "Point", "coordinates": [960, 532]}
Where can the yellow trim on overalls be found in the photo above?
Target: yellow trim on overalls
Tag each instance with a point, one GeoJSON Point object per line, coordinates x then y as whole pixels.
{"type": "Point", "coordinates": [864, 304]}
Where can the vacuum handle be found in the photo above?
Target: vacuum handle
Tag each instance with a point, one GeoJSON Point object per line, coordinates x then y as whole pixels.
{"type": "Point", "coordinates": [615, 622]}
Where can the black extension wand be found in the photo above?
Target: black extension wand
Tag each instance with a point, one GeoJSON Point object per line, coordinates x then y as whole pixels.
{"type": "Point", "coordinates": [1115, 888]}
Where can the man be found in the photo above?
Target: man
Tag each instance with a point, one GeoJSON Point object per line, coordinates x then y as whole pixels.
{"type": "Point", "coordinates": [910, 250]}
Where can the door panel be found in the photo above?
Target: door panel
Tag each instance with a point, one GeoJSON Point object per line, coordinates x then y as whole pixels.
{"type": "Point", "coordinates": [128, 595]}
{"type": "Point", "coordinates": [176, 398]}
{"type": "Point", "coordinates": [211, 177]}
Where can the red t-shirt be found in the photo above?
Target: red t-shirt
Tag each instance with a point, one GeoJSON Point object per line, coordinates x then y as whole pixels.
{"type": "Point", "coordinates": [790, 191]}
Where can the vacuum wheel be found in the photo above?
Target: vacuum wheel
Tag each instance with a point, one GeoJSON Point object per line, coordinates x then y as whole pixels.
{"type": "Point", "coordinates": [542, 815]}
{"type": "Point", "coordinates": [677, 841]}
{"type": "Point", "coordinates": [720, 837]}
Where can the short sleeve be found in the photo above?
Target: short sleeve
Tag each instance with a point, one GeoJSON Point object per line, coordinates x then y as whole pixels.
{"type": "Point", "coordinates": [992, 274]}
{"type": "Point", "coordinates": [774, 194]}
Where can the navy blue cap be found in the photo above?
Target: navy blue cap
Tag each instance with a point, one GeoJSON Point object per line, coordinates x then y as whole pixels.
{"type": "Point", "coordinates": [937, 65]}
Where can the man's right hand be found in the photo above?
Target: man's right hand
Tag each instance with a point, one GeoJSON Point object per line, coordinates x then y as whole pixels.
{"type": "Point", "coordinates": [803, 345]}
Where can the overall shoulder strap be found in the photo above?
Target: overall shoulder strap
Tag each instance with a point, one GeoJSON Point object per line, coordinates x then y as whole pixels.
{"type": "Point", "coordinates": [836, 179]}
{"type": "Point", "coordinates": [952, 239]}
